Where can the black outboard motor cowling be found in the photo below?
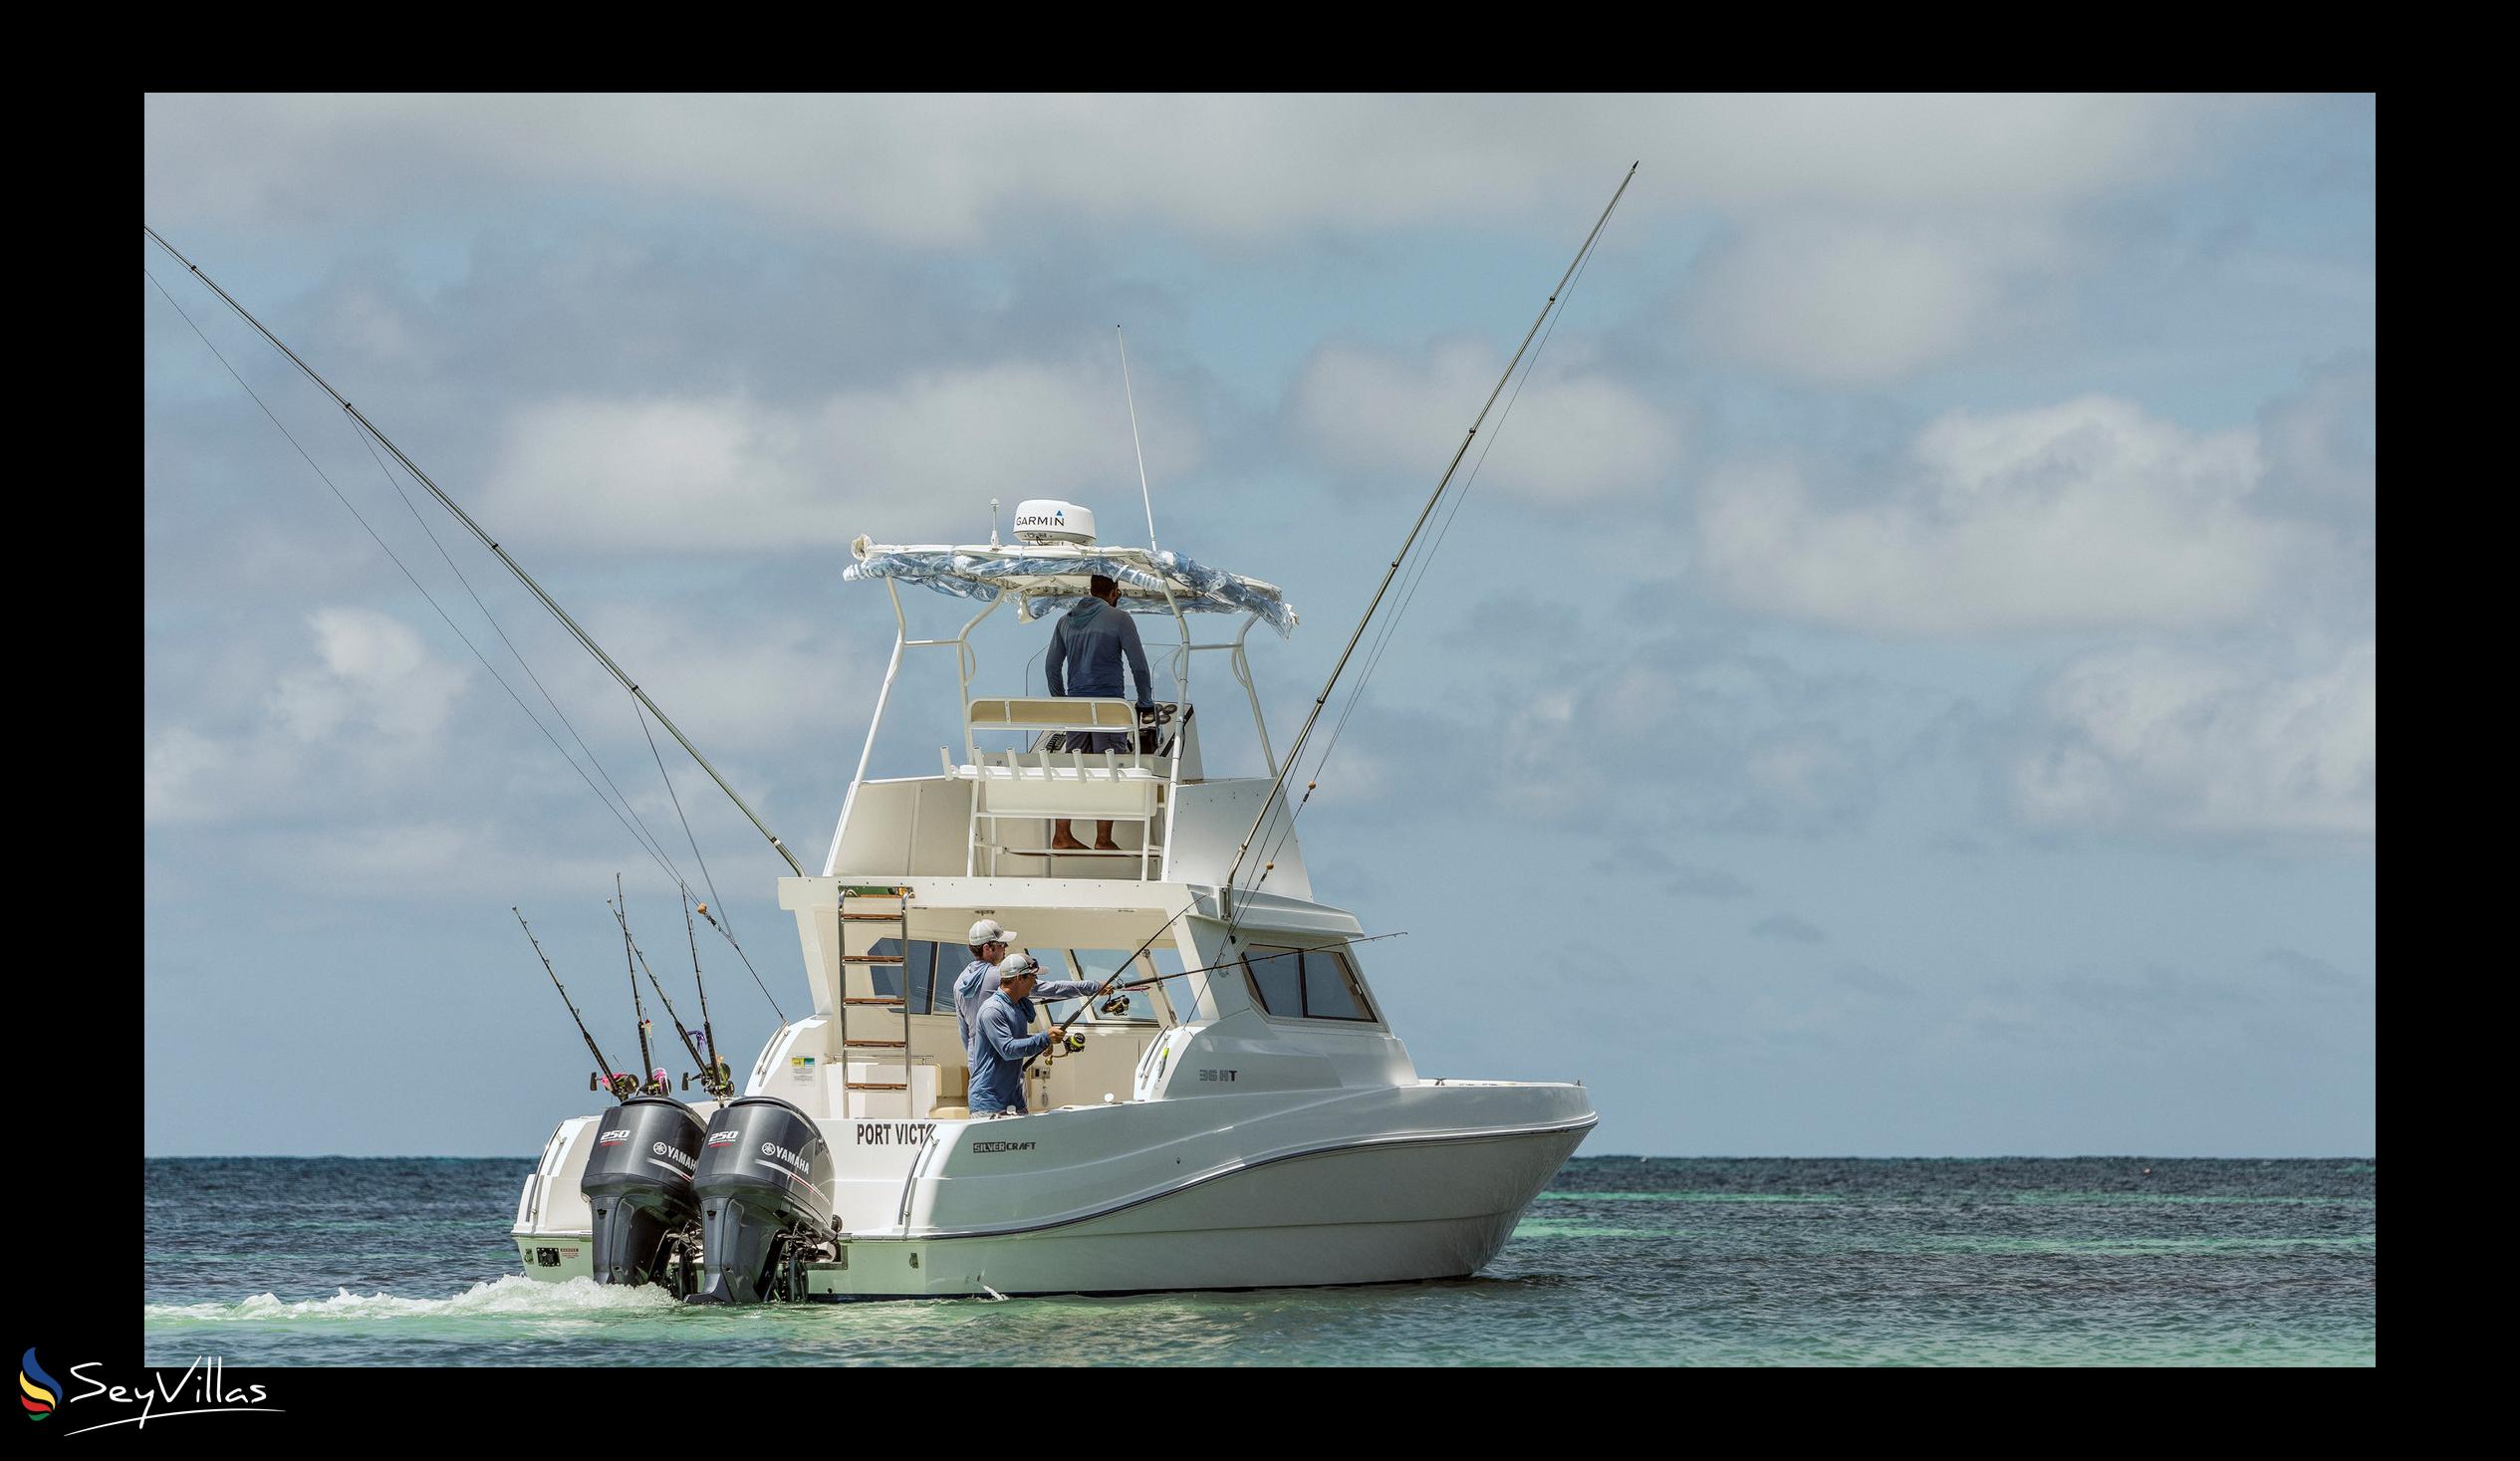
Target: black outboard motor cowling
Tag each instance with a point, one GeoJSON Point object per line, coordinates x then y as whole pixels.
{"type": "Point", "coordinates": [638, 1183]}
{"type": "Point", "coordinates": [765, 1187]}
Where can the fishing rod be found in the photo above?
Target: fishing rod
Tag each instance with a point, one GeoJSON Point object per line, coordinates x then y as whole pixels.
{"type": "Point", "coordinates": [492, 543]}
{"type": "Point", "coordinates": [623, 1086]}
{"type": "Point", "coordinates": [1076, 1042]}
{"type": "Point", "coordinates": [690, 1045]}
{"type": "Point", "coordinates": [638, 1007]}
{"type": "Point", "coordinates": [1269, 803]}
{"type": "Point", "coordinates": [717, 1068]}
{"type": "Point", "coordinates": [739, 953]}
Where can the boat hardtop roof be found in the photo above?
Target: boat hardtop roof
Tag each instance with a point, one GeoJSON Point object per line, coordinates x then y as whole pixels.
{"type": "Point", "coordinates": [1044, 578]}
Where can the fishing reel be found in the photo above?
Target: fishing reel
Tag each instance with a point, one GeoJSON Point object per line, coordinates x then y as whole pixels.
{"type": "Point", "coordinates": [1073, 1044]}
{"type": "Point", "coordinates": [621, 1085]}
{"type": "Point", "coordinates": [1117, 1005]}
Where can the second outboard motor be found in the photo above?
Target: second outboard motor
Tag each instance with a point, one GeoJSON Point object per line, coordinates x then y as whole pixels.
{"type": "Point", "coordinates": [638, 1183]}
{"type": "Point", "coordinates": [765, 1185]}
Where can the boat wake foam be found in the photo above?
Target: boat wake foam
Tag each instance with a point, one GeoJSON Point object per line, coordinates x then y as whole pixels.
{"type": "Point", "coordinates": [510, 1296]}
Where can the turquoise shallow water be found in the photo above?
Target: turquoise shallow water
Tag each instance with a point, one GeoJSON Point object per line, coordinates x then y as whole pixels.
{"type": "Point", "coordinates": [1623, 1261]}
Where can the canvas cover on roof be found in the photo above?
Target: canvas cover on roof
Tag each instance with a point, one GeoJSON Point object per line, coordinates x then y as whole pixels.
{"type": "Point", "coordinates": [1046, 578]}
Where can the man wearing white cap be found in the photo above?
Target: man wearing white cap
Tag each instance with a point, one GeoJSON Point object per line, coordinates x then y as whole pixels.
{"type": "Point", "coordinates": [979, 978]}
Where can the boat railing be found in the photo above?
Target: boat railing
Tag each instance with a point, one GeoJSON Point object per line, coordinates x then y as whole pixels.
{"type": "Point", "coordinates": [1053, 777]}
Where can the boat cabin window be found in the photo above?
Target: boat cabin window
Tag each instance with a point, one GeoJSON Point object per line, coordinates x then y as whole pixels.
{"type": "Point", "coordinates": [919, 973]}
{"type": "Point", "coordinates": [1312, 984]}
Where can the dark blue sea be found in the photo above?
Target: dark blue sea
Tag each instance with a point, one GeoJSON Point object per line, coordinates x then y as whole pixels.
{"type": "Point", "coordinates": [1625, 1260]}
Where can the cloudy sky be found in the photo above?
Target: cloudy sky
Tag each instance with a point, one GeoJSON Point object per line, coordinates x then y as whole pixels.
{"type": "Point", "coordinates": [1904, 682]}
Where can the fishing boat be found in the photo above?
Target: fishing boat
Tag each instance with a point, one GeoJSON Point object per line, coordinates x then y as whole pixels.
{"type": "Point", "coordinates": [1228, 1108]}
{"type": "Point", "coordinates": [1242, 1114]}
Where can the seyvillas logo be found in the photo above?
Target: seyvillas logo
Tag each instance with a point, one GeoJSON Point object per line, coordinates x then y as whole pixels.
{"type": "Point", "coordinates": [202, 1390]}
{"type": "Point", "coordinates": [37, 1391]}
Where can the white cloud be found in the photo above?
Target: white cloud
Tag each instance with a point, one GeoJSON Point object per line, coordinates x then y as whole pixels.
{"type": "Point", "coordinates": [1856, 301]}
{"type": "Point", "coordinates": [1575, 436]}
{"type": "Point", "coordinates": [2176, 740]}
{"type": "Point", "coordinates": [947, 168]}
{"type": "Point", "coordinates": [372, 708]}
{"type": "Point", "coordinates": [375, 677]}
{"type": "Point", "coordinates": [920, 457]}
{"type": "Point", "coordinates": [2323, 441]}
{"type": "Point", "coordinates": [2088, 514]}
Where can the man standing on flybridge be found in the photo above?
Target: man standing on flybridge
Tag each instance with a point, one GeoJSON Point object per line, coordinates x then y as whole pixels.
{"type": "Point", "coordinates": [1089, 642]}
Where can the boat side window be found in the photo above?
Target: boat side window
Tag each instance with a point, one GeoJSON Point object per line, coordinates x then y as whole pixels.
{"type": "Point", "coordinates": [1330, 988]}
{"type": "Point", "coordinates": [1277, 978]}
{"type": "Point", "coordinates": [921, 973]}
{"type": "Point", "coordinates": [916, 973]}
{"type": "Point", "coordinates": [1314, 984]}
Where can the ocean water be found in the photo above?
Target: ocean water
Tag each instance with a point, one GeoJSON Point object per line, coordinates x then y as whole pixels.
{"type": "Point", "coordinates": [1623, 1261]}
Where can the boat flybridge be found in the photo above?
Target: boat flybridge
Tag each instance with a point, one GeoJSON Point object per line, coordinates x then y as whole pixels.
{"type": "Point", "coordinates": [1240, 1114]}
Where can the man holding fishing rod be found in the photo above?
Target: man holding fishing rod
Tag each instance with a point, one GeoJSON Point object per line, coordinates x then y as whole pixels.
{"type": "Point", "coordinates": [1000, 1044]}
{"type": "Point", "coordinates": [979, 979]}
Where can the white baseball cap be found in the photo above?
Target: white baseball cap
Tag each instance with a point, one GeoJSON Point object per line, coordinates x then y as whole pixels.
{"type": "Point", "coordinates": [1018, 964]}
{"type": "Point", "coordinates": [987, 931]}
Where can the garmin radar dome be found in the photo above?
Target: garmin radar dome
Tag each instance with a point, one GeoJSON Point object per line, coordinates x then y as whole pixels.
{"type": "Point", "coordinates": [1047, 520]}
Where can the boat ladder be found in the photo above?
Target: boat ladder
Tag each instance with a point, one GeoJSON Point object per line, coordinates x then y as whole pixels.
{"type": "Point", "coordinates": [874, 1026]}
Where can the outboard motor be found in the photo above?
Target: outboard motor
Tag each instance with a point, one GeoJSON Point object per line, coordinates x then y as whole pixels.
{"type": "Point", "coordinates": [765, 1185]}
{"type": "Point", "coordinates": [638, 1183]}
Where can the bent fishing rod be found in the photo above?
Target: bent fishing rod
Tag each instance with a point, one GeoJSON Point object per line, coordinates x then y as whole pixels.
{"type": "Point", "coordinates": [690, 1045]}
{"type": "Point", "coordinates": [1269, 803]}
{"type": "Point", "coordinates": [465, 518]}
{"type": "Point", "coordinates": [623, 1087]}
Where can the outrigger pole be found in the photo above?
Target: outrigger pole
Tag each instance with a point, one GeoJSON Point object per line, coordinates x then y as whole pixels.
{"type": "Point", "coordinates": [492, 543]}
{"type": "Point", "coordinates": [1268, 803]}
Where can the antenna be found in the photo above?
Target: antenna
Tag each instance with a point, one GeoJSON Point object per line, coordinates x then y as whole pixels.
{"type": "Point", "coordinates": [993, 522]}
{"type": "Point", "coordinates": [1145, 494]}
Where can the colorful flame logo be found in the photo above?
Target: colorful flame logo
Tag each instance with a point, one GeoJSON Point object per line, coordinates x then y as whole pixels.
{"type": "Point", "coordinates": [38, 1391]}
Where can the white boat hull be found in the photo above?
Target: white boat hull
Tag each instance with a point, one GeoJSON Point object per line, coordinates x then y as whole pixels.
{"type": "Point", "coordinates": [1380, 1211]}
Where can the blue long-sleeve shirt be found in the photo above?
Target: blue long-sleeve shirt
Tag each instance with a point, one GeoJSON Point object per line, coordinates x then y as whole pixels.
{"type": "Point", "coordinates": [1085, 649]}
{"type": "Point", "coordinates": [978, 980]}
{"type": "Point", "coordinates": [999, 1048]}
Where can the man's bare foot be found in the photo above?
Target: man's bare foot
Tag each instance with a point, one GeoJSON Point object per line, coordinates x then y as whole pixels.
{"type": "Point", "coordinates": [1065, 844]}
{"type": "Point", "coordinates": [1105, 844]}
